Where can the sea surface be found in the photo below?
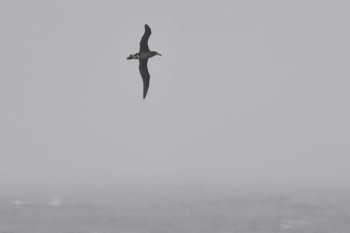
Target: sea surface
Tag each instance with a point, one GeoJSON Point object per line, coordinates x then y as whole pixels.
{"type": "Point", "coordinates": [175, 211]}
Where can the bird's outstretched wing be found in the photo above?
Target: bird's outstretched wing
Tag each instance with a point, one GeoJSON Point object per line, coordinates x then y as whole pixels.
{"type": "Point", "coordinates": [145, 76]}
{"type": "Point", "coordinates": [144, 39]}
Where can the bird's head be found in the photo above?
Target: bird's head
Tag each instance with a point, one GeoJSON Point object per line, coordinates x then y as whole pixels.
{"type": "Point", "coordinates": [156, 53]}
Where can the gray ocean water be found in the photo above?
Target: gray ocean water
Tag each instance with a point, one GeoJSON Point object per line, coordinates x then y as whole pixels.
{"type": "Point", "coordinates": [174, 210]}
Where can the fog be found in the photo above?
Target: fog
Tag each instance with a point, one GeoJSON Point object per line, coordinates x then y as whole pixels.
{"type": "Point", "coordinates": [247, 93]}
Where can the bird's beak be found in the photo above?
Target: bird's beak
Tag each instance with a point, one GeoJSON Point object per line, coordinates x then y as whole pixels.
{"type": "Point", "coordinates": [159, 54]}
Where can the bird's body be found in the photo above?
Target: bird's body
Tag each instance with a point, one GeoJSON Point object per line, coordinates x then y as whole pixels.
{"type": "Point", "coordinates": [143, 55]}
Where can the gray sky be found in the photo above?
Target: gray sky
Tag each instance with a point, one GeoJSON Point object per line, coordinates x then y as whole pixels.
{"type": "Point", "coordinates": [246, 93]}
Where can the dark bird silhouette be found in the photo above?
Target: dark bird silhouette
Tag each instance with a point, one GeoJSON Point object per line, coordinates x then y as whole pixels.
{"type": "Point", "coordinates": [143, 55]}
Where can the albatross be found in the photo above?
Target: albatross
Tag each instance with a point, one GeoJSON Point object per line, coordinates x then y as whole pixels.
{"type": "Point", "coordinates": [143, 55]}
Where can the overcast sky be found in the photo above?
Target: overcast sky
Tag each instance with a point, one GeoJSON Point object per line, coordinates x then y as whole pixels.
{"type": "Point", "coordinates": [246, 93]}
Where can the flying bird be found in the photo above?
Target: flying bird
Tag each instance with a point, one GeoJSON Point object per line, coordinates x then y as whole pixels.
{"type": "Point", "coordinates": [143, 55]}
